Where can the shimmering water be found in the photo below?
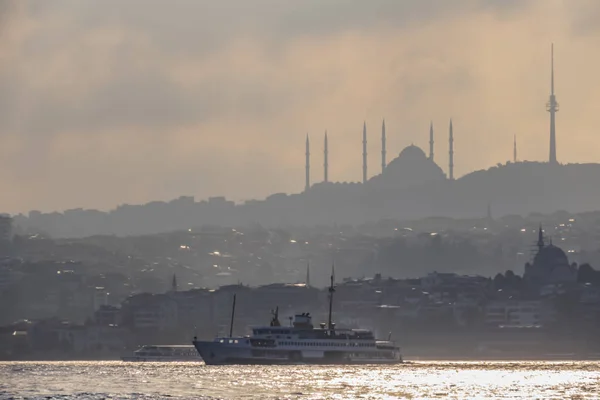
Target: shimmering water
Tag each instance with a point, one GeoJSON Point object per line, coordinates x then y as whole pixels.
{"type": "Point", "coordinates": [421, 380]}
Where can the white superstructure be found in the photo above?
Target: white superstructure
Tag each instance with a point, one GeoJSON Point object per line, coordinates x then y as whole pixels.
{"type": "Point", "coordinates": [300, 343]}
{"type": "Point", "coordinates": [162, 353]}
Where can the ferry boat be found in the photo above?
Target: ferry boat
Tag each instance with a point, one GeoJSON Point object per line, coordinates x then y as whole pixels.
{"type": "Point", "coordinates": [162, 353]}
{"type": "Point", "coordinates": [300, 343]}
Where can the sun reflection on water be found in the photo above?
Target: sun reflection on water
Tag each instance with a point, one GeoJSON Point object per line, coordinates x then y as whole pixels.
{"type": "Point", "coordinates": [419, 380]}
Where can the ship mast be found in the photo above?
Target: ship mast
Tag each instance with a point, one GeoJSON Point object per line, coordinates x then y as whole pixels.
{"type": "Point", "coordinates": [232, 316]}
{"type": "Point", "coordinates": [331, 291]}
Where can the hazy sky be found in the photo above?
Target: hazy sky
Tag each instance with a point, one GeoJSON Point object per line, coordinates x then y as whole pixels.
{"type": "Point", "coordinates": [110, 102]}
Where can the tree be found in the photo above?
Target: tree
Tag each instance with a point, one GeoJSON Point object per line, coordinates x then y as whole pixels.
{"type": "Point", "coordinates": [499, 281]}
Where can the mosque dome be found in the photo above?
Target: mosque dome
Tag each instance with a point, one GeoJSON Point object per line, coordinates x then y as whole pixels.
{"type": "Point", "coordinates": [412, 152]}
{"type": "Point", "coordinates": [550, 265]}
{"type": "Point", "coordinates": [411, 167]}
{"type": "Point", "coordinates": [549, 257]}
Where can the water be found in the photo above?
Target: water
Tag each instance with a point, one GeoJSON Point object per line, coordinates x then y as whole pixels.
{"type": "Point", "coordinates": [421, 380]}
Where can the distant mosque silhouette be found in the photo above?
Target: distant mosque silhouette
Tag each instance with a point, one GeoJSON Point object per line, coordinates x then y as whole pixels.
{"type": "Point", "coordinates": [412, 165]}
{"type": "Point", "coordinates": [550, 264]}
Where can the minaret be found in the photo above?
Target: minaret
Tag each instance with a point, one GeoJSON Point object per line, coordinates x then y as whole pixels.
{"type": "Point", "coordinates": [515, 149]}
{"type": "Point", "coordinates": [451, 154]}
{"type": "Point", "coordinates": [383, 152]}
{"type": "Point", "coordinates": [431, 141]}
{"type": "Point", "coordinates": [307, 184]}
{"type": "Point", "coordinates": [308, 274]}
{"type": "Point", "coordinates": [540, 242]}
{"type": "Point", "coordinates": [552, 108]}
{"type": "Point", "coordinates": [365, 152]}
{"type": "Point", "coordinates": [326, 160]}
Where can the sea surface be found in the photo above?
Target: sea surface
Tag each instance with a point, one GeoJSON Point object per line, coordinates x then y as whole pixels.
{"type": "Point", "coordinates": [419, 380]}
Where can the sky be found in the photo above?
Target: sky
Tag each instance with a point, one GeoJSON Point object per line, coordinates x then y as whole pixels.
{"type": "Point", "coordinates": [111, 102]}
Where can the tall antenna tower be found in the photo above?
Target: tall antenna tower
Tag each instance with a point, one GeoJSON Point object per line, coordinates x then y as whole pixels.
{"type": "Point", "coordinates": [552, 108]}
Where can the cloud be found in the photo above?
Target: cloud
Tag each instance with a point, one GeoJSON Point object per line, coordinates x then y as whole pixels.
{"type": "Point", "coordinates": [109, 102]}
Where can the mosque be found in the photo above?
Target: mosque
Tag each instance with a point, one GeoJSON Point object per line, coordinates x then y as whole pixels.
{"type": "Point", "coordinates": [550, 265]}
{"type": "Point", "coordinates": [411, 167]}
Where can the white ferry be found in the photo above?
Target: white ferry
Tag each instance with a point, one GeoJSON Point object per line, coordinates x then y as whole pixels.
{"type": "Point", "coordinates": [162, 353]}
{"type": "Point", "coordinates": [300, 343]}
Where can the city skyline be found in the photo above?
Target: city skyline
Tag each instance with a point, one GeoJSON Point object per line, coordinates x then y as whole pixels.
{"type": "Point", "coordinates": [552, 107]}
{"type": "Point", "coordinates": [122, 115]}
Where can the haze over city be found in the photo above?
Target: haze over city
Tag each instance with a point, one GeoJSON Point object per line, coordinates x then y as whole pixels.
{"type": "Point", "coordinates": [383, 198]}
{"type": "Point", "coordinates": [112, 102]}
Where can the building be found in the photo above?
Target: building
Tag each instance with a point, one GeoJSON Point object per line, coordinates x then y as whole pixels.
{"type": "Point", "coordinates": [107, 315]}
{"type": "Point", "coordinates": [550, 265]}
{"type": "Point", "coordinates": [514, 313]}
{"type": "Point", "coordinates": [5, 228]}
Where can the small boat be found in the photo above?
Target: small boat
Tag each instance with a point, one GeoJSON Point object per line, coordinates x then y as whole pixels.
{"type": "Point", "coordinates": [300, 343]}
{"type": "Point", "coordinates": [162, 353]}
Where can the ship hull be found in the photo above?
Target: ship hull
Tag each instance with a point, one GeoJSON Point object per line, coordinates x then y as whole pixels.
{"type": "Point", "coordinates": [160, 359]}
{"type": "Point", "coordinates": [215, 353]}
